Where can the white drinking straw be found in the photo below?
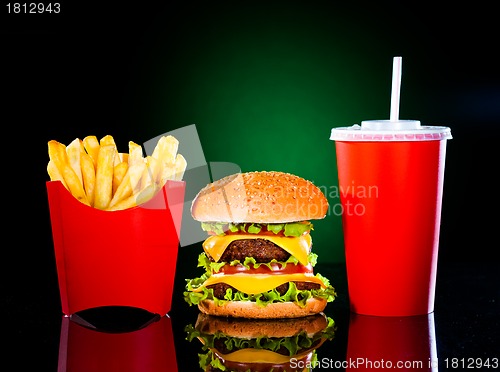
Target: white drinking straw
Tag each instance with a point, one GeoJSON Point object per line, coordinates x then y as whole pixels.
{"type": "Point", "coordinates": [396, 87]}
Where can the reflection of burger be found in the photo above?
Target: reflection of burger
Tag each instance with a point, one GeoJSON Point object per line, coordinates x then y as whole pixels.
{"type": "Point", "coordinates": [260, 345]}
{"type": "Point", "coordinates": [258, 260]}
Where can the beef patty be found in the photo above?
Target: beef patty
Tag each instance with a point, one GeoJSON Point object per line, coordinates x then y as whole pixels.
{"type": "Point", "coordinates": [221, 288]}
{"type": "Point", "coordinates": [261, 250]}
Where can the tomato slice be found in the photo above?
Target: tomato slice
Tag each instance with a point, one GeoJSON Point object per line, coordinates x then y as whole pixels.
{"type": "Point", "coordinates": [276, 268]}
{"type": "Point", "coordinates": [262, 232]}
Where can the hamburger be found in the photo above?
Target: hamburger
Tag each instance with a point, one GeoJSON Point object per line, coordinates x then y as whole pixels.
{"type": "Point", "coordinates": [257, 258]}
{"type": "Point", "coordinates": [260, 345]}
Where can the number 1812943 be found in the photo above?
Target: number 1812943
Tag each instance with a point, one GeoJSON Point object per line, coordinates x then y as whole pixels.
{"type": "Point", "coordinates": [33, 8]}
{"type": "Point", "coordinates": [471, 363]}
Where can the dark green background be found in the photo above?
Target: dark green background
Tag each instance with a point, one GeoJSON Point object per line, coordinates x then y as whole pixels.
{"type": "Point", "coordinates": [264, 82]}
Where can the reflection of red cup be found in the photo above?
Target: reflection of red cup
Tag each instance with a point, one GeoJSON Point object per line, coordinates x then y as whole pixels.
{"type": "Point", "coordinates": [405, 343]}
{"type": "Point", "coordinates": [119, 258]}
{"type": "Point", "coordinates": [390, 187]}
{"type": "Point", "coordinates": [84, 349]}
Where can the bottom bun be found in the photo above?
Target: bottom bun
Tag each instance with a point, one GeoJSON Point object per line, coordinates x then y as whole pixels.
{"type": "Point", "coordinates": [255, 328]}
{"type": "Point", "coordinates": [248, 309]}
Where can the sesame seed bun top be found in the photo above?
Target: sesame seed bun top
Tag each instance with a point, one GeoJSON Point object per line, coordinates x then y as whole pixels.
{"type": "Point", "coordinates": [259, 197]}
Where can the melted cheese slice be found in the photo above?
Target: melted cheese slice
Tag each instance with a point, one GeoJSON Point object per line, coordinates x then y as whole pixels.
{"type": "Point", "coordinates": [298, 247]}
{"type": "Point", "coordinates": [258, 283]}
{"type": "Point", "coordinates": [263, 355]}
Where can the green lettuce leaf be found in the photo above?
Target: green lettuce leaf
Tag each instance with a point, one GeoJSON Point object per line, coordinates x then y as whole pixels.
{"type": "Point", "coordinates": [262, 299]}
{"type": "Point", "coordinates": [293, 345]}
{"type": "Point", "coordinates": [214, 267]}
{"type": "Point", "coordinates": [289, 229]}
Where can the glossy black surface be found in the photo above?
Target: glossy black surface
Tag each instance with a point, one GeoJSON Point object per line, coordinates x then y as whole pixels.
{"type": "Point", "coordinates": [79, 74]}
{"type": "Point", "coordinates": [465, 321]}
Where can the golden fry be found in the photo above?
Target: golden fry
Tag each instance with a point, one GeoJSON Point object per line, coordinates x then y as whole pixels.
{"type": "Point", "coordinates": [57, 153]}
{"type": "Point", "coordinates": [91, 145]}
{"type": "Point", "coordinates": [107, 140]}
{"type": "Point", "coordinates": [54, 173]}
{"type": "Point", "coordinates": [146, 194]}
{"type": "Point", "coordinates": [124, 204]}
{"type": "Point", "coordinates": [180, 167]}
{"type": "Point", "coordinates": [167, 173]}
{"type": "Point", "coordinates": [128, 184]}
{"type": "Point", "coordinates": [166, 149]}
{"type": "Point", "coordinates": [135, 154]}
{"type": "Point", "coordinates": [104, 176]}
{"type": "Point", "coordinates": [123, 157]}
{"type": "Point", "coordinates": [135, 199]}
{"type": "Point", "coordinates": [118, 173]}
{"type": "Point", "coordinates": [99, 176]}
{"type": "Point", "coordinates": [146, 187]}
{"type": "Point", "coordinates": [151, 173]}
{"type": "Point", "coordinates": [88, 175]}
{"type": "Point", "coordinates": [74, 150]}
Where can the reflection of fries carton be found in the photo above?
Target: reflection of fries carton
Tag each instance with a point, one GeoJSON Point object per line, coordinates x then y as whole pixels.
{"type": "Point", "coordinates": [116, 258]}
{"type": "Point", "coordinates": [84, 348]}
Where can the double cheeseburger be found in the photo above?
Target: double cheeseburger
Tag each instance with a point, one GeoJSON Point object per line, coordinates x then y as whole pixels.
{"type": "Point", "coordinates": [260, 345]}
{"type": "Point", "coordinates": [257, 259]}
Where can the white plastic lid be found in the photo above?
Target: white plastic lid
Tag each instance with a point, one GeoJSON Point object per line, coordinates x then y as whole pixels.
{"type": "Point", "coordinates": [387, 130]}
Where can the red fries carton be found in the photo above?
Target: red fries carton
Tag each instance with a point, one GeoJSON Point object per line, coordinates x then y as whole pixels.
{"type": "Point", "coordinates": [116, 258]}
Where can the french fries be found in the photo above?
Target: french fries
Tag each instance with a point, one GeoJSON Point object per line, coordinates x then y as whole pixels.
{"type": "Point", "coordinates": [104, 176]}
{"type": "Point", "coordinates": [88, 176]}
{"type": "Point", "coordinates": [57, 154]}
{"type": "Point", "coordinates": [119, 172]}
{"type": "Point", "coordinates": [91, 146]}
{"type": "Point", "coordinates": [95, 173]}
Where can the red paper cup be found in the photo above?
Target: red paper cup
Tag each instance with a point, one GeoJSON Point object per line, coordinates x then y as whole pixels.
{"type": "Point", "coordinates": [116, 258]}
{"type": "Point", "coordinates": [391, 188]}
{"type": "Point", "coordinates": [150, 348]}
{"type": "Point", "coordinates": [404, 343]}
